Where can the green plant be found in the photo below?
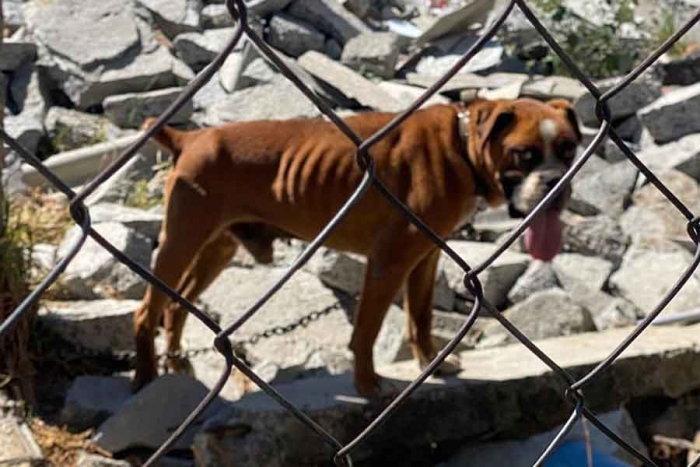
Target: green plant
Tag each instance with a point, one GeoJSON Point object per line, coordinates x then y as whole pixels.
{"type": "Point", "coordinates": [141, 198]}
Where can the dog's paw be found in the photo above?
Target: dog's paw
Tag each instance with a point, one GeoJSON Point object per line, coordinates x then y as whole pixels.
{"type": "Point", "coordinates": [179, 365]}
{"type": "Point", "coordinates": [450, 366]}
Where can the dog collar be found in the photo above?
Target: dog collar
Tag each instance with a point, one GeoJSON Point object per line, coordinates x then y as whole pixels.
{"type": "Point", "coordinates": [463, 130]}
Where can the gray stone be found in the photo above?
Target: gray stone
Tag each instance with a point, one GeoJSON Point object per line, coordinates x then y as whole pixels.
{"type": "Point", "coordinates": [264, 8]}
{"type": "Point", "coordinates": [234, 66]}
{"type": "Point", "coordinates": [632, 98]}
{"type": "Point", "coordinates": [28, 94]}
{"type": "Point", "coordinates": [607, 311]}
{"type": "Point", "coordinates": [174, 17]}
{"type": "Point", "coordinates": [589, 270]}
{"type": "Point", "coordinates": [143, 222]}
{"type": "Point", "coordinates": [497, 280]}
{"type": "Point", "coordinates": [602, 188]}
{"type": "Point", "coordinates": [257, 431]}
{"type": "Point", "coordinates": [149, 418]}
{"type": "Point", "coordinates": [130, 110]}
{"type": "Point", "coordinates": [648, 273]}
{"type": "Point", "coordinates": [524, 453]}
{"type": "Point", "coordinates": [682, 155]}
{"type": "Point", "coordinates": [630, 128]}
{"type": "Point", "coordinates": [374, 53]}
{"type": "Point", "coordinates": [320, 342]}
{"type": "Point", "coordinates": [350, 83]}
{"type": "Point", "coordinates": [198, 49]}
{"type": "Point", "coordinates": [14, 55]}
{"type": "Point", "coordinates": [293, 36]}
{"type": "Point", "coordinates": [594, 236]}
{"type": "Point", "coordinates": [537, 277]}
{"type": "Point", "coordinates": [407, 95]}
{"type": "Point", "coordinates": [544, 314]}
{"type": "Point", "coordinates": [329, 17]}
{"type": "Point", "coordinates": [258, 71]}
{"type": "Point", "coordinates": [44, 257]}
{"type": "Point", "coordinates": [216, 16]}
{"type": "Point", "coordinates": [492, 224]}
{"type": "Point", "coordinates": [93, 399]}
{"type": "Point", "coordinates": [211, 93]}
{"type": "Point", "coordinates": [17, 444]}
{"type": "Point", "coordinates": [670, 117]}
{"type": "Point", "coordinates": [278, 100]}
{"type": "Point", "coordinates": [13, 14]}
{"type": "Point", "coordinates": [71, 129]}
{"type": "Point", "coordinates": [359, 8]}
{"type": "Point", "coordinates": [682, 71]}
{"type": "Point", "coordinates": [486, 59]}
{"type": "Point", "coordinates": [99, 325]}
{"type": "Point", "coordinates": [94, 272]}
{"type": "Point", "coordinates": [93, 460]}
{"type": "Point", "coordinates": [333, 49]}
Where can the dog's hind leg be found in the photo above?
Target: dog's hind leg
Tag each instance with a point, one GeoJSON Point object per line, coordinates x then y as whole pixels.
{"type": "Point", "coordinates": [210, 261]}
{"type": "Point", "coordinates": [187, 227]}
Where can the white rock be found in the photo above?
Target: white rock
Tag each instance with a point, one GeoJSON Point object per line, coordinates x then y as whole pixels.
{"type": "Point", "coordinates": [174, 16]}
{"type": "Point", "coordinates": [130, 110]}
{"type": "Point", "coordinates": [589, 270]}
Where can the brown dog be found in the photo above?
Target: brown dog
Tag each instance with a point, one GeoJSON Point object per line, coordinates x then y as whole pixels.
{"type": "Point", "coordinates": [249, 182]}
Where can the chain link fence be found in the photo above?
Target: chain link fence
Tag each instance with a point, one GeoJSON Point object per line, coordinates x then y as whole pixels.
{"type": "Point", "coordinates": [574, 391]}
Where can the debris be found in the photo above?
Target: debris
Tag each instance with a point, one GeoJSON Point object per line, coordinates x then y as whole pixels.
{"type": "Point", "coordinates": [174, 17]}
{"type": "Point", "coordinates": [71, 129]}
{"type": "Point", "coordinates": [330, 17]}
{"type": "Point", "coordinates": [198, 49]}
{"type": "Point", "coordinates": [17, 444]}
{"type": "Point", "coordinates": [374, 53]}
{"type": "Point", "coordinates": [667, 117]}
{"type": "Point", "coordinates": [130, 110]}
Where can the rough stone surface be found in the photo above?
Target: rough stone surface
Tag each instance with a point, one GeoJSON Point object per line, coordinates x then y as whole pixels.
{"type": "Point", "coordinates": [17, 444]}
{"type": "Point", "coordinates": [635, 96]}
{"type": "Point", "coordinates": [607, 311]}
{"type": "Point", "coordinates": [100, 325]}
{"type": "Point", "coordinates": [350, 83]}
{"type": "Point", "coordinates": [594, 236]}
{"type": "Point", "coordinates": [198, 49]}
{"type": "Point", "coordinates": [216, 16]}
{"type": "Point", "coordinates": [374, 53]}
{"type": "Point", "coordinates": [589, 270]}
{"type": "Point", "coordinates": [682, 71]}
{"type": "Point", "coordinates": [264, 8]}
{"type": "Point", "coordinates": [278, 100]}
{"type": "Point", "coordinates": [93, 460]}
{"type": "Point", "coordinates": [682, 155]}
{"type": "Point", "coordinates": [256, 431]}
{"type": "Point", "coordinates": [667, 117]}
{"type": "Point", "coordinates": [211, 93]}
{"type": "Point", "coordinates": [130, 110]}
{"type": "Point", "coordinates": [174, 17]}
{"type": "Point", "coordinates": [149, 418]}
{"type": "Point", "coordinates": [146, 223]}
{"type": "Point", "coordinates": [94, 272]}
{"type": "Point", "coordinates": [601, 187]}
{"type": "Point", "coordinates": [16, 54]}
{"type": "Point", "coordinates": [293, 36]}
{"type": "Point", "coordinates": [329, 17]}
{"type": "Point", "coordinates": [538, 276]}
{"type": "Point", "coordinates": [28, 108]}
{"type": "Point", "coordinates": [544, 314]}
{"type": "Point", "coordinates": [71, 129]}
{"type": "Point", "coordinates": [406, 94]}
{"type": "Point", "coordinates": [496, 280]}
{"type": "Point", "coordinates": [93, 399]}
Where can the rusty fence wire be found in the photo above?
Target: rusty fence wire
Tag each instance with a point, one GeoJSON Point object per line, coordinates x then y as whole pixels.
{"type": "Point", "coordinates": [574, 388]}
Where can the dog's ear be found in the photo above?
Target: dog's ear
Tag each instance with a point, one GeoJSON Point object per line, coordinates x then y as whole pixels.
{"type": "Point", "coordinates": [563, 104]}
{"type": "Point", "coordinates": [489, 119]}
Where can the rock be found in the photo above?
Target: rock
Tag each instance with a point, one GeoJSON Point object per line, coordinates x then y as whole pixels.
{"type": "Point", "coordinates": [234, 66]}
{"type": "Point", "coordinates": [208, 95]}
{"type": "Point", "coordinates": [497, 280]}
{"type": "Point", "coordinates": [278, 100]}
{"type": "Point", "coordinates": [350, 83]}
{"type": "Point", "coordinates": [544, 314]}
{"type": "Point", "coordinates": [524, 453]}
{"type": "Point", "coordinates": [629, 128]}
{"type": "Point", "coordinates": [374, 53]}
{"type": "Point", "coordinates": [198, 49]}
{"type": "Point", "coordinates": [648, 273]}
{"type": "Point", "coordinates": [174, 17]}
{"type": "Point", "coordinates": [99, 325]}
{"type": "Point", "coordinates": [94, 272]}
{"type": "Point", "coordinates": [14, 55]}
{"type": "Point", "coordinates": [216, 16]}
{"type": "Point", "coordinates": [93, 460]}
{"type": "Point", "coordinates": [258, 71]}
{"type": "Point", "coordinates": [492, 224]}
{"type": "Point", "coordinates": [537, 277]}
{"type": "Point", "coordinates": [329, 17]}
{"type": "Point", "coordinates": [146, 223]}
{"type": "Point", "coordinates": [589, 270]}
{"type": "Point", "coordinates": [682, 155]}
{"type": "Point", "coordinates": [320, 342]}
{"type": "Point", "coordinates": [484, 61]}
{"type": "Point", "coordinates": [602, 188]}
{"type": "Point", "coordinates": [28, 104]}
{"type": "Point", "coordinates": [406, 94]}
{"type": "Point", "coordinates": [607, 311]}
{"type": "Point", "coordinates": [257, 431]}
{"type": "Point", "coordinates": [17, 444]}
{"type": "Point", "coordinates": [682, 71]}
{"type": "Point", "coordinates": [677, 421]}
{"type": "Point", "coordinates": [627, 102]}
{"type": "Point", "coordinates": [149, 418]}
{"type": "Point", "coordinates": [70, 129]}
{"type": "Point", "coordinates": [44, 257]}
{"type": "Point", "coordinates": [293, 36]}
{"type": "Point", "coordinates": [130, 110]}
{"type": "Point", "coordinates": [594, 236]}
{"type": "Point", "coordinates": [13, 14]}
{"type": "Point", "coordinates": [333, 49]}
{"type": "Point", "coordinates": [93, 399]}
{"type": "Point", "coordinates": [359, 8]}
{"type": "Point", "coordinates": [667, 117]}
{"type": "Point", "coordinates": [264, 8]}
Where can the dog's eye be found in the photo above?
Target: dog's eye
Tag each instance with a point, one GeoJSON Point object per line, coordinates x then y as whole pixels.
{"type": "Point", "coordinates": [567, 149]}
{"type": "Point", "coordinates": [522, 156]}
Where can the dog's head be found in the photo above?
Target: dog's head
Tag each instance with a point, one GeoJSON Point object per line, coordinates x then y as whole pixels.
{"type": "Point", "coordinates": [523, 148]}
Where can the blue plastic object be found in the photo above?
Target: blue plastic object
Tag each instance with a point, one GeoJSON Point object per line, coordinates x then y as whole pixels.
{"type": "Point", "coordinates": [573, 454]}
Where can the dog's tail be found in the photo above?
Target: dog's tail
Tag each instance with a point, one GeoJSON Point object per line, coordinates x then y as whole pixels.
{"type": "Point", "coordinates": [167, 137]}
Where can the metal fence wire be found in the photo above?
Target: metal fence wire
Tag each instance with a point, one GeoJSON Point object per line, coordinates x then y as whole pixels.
{"type": "Point", "coordinates": [574, 388]}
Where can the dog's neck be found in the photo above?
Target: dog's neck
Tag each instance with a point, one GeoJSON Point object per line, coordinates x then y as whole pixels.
{"type": "Point", "coordinates": [463, 129]}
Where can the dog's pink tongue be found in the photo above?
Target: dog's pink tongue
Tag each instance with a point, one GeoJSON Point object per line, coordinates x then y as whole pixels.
{"type": "Point", "coordinates": [543, 237]}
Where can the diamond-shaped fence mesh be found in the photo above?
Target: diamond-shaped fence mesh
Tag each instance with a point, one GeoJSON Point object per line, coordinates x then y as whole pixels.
{"type": "Point", "coordinates": [343, 452]}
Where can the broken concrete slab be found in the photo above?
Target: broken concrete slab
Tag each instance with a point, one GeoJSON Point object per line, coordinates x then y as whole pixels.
{"type": "Point", "coordinates": [208, 95]}
{"type": "Point", "coordinates": [131, 110]}
{"type": "Point", "coordinates": [70, 129]}
{"type": "Point", "coordinates": [93, 399]}
{"type": "Point", "coordinates": [15, 54]}
{"type": "Point", "coordinates": [602, 188]}
{"type": "Point", "coordinates": [147, 419]}
{"type": "Point", "coordinates": [607, 311]}
{"type": "Point", "coordinates": [350, 83]}
{"type": "Point", "coordinates": [198, 49]}
{"type": "Point", "coordinates": [329, 17]}
{"type": "Point", "coordinates": [257, 431]}
{"type": "Point", "coordinates": [216, 16]}
{"type": "Point", "coordinates": [589, 270]}
{"type": "Point", "coordinates": [635, 96]}
{"type": "Point", "coordinates": [682, 155]}
{"type": "Point", "coordinates": [174, 17]}
{"type": "Point", "coordinates": [144, 222]}
{"type": "Point", "coordinates": [406, 94]}
{"type": "Point", "coordinates": [538, 276]}
{"type": "Point", "coordinates": [94, 272]}
{"type": "Point", "coordinates": [487, 59]}
{"type": "Point", "coordinates": [93, 460]}
{"type": "Point", "coordinates": [17, 444]}
{"type": "Point", "coordinates": [99, 325]}
{"type": "Point", "coordinates": [667, 117]}
{"type": "Point", "coordinates": [292, 36]}
{"type": "Point", "coordinates": [469, 14]}
{"type": "Point", "coordinates": [594, 236]}
{"type": "Point", "coordinates": [28, 95]}
{"type": "Point", "coordinates": [375, 54]}
{"type": "Point", "coordinates": [683, 71]}
{"type": "Point", "coordinates": [264, 8]}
